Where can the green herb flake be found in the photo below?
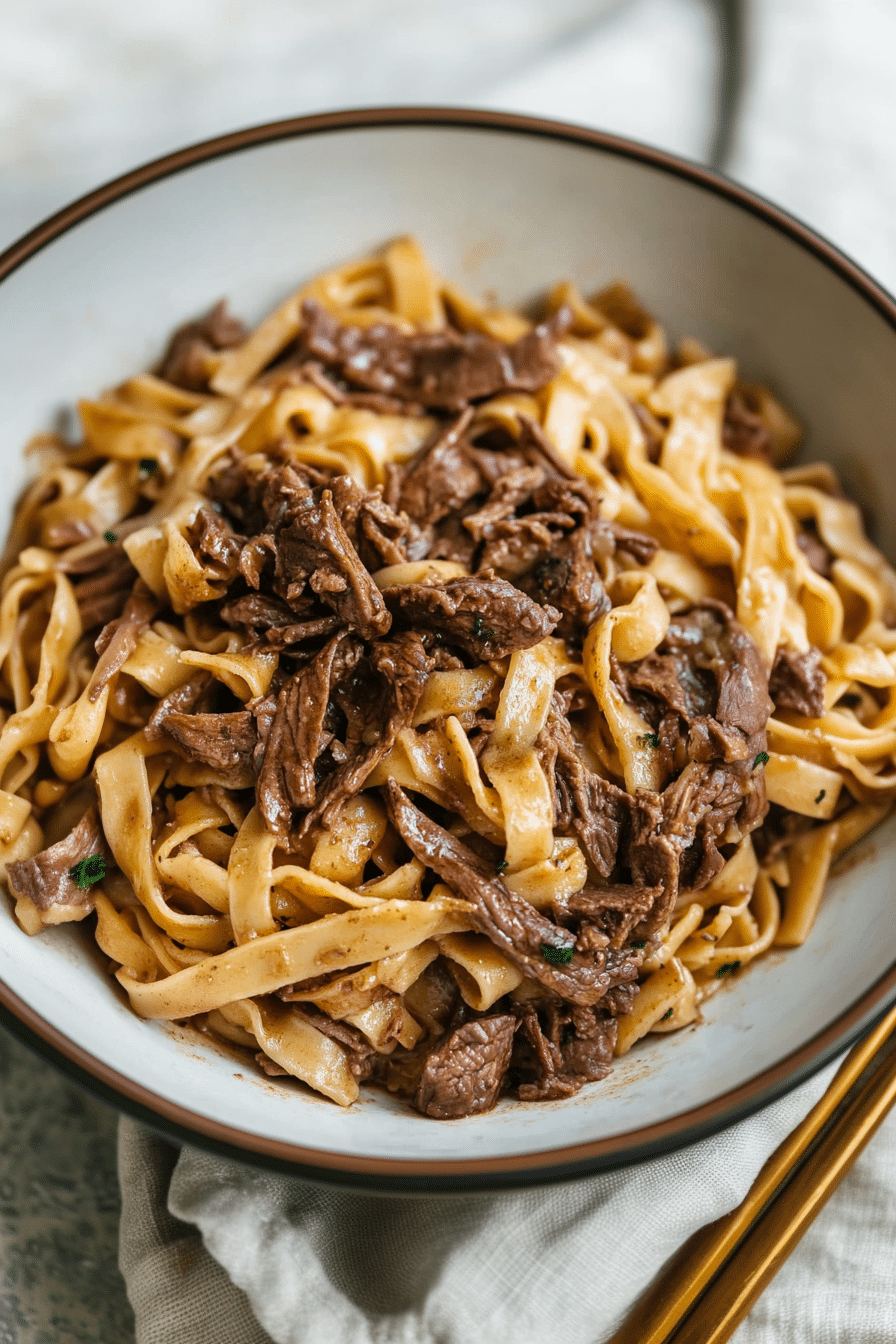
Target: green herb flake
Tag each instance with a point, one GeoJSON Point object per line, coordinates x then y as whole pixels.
{"type": "Point", "coordinates": [501, 867]}
{"type": "Point", "coordinates": [665, 1017]}
{"type": "Point", "coordinates": [727, 968]}
{"type": "Point", "coordinates": [87, 871]}
{"type": "Point", "coordinates": [147, 467]}
{"type": "Point", "coordinates": [650, 740]}
{"type": "Point", "coordinates": [481, 631]}
{"type": "Point", "coordinates": [557, 956]}
{"type": "Point", "coordinates": [642, 943]}
{"type": "Point", "coordinates": [821, 794]}
{"type": "Point", "coordinates": [761, 759]}
{"type": "Point", "coordinates": [110, 536]}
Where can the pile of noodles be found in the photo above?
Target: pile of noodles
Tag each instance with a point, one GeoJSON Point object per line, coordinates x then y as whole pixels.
{"type": "Point", "coordinates": [203, 915]}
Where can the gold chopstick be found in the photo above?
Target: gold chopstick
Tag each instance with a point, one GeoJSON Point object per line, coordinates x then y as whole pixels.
{"type": "Point", "coordinates": [763, 1240]}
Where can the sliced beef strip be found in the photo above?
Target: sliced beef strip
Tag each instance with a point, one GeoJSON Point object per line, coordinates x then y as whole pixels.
{"type": "Point", "coordinates": [576, 1049]}
{"type": "Point", "coordinates": [257, 612]}
{"type": "Point", "coordinates": [215, 545]}
{"type": "Point", "coordinates": [182, 700]}
{"type": "Point", "coordinates": [797, 682]}
{"type": "Point", "coordinates": [463, 1074]}
{"type": "Point", "coordinates": [508, 493]}
{"type": "Point", "coordinates": [117, 640]}
{"type": "Point", "coordinates": [441, 479]}
{"type": "Point", "coordinates": [383, 706]}
{"type": "Point", "coordinates": [188, 360]}
{"type": "Point", "coordinates": [744, 432]}
{"type": "Point", "coordinates": [359, 1052]}
{"type": "Point", "coordinates": [509, 921]}
{"type": "Point", "coordinates": [444, 370]}
{"type": "Point", "coordinates": [485, 616]}
{"type": "Point", "coordinates": [813, 548]}
{"type": "Point", "coordinates": [638, 545]}
{"type": "Point", "coordinates": [292, 739]}
{"type": "Point", "coordinates": [568, 579]}
{"type": "Point", "coordinates": [380, 535]}
{"type": "Point", "coordinates": [221, 741]}
{"type": "Point", "coordinates": [102, 581]}
{"type": "Point", "coordinates": [45, 879]}
{"type": "Point", "coordinates": [707, 670]}
{"type": "Point", "coordinates": [314, 551]}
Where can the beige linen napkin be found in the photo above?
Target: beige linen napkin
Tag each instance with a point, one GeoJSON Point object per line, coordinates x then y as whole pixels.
{"type": "Point", "coordinates": [215, 1252]}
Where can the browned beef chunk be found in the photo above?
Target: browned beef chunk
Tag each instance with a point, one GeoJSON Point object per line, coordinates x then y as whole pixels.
{"type": "Point", "coordinates": [181, 700]}
{"type": "Point", "coordinates": [215, 545]}
{"type": "Point", "coordinates": [378, 706]}
{"type": "Point", "coordinates": [445, 370]}
{"type": "Point", "coordinates": [567, 579]}
{"type": "Point", "coordinates": [484, 616]}
{"type": "Point", "coordinates": [614, 910]}
{"type": "Point", "coordinates": [596, 810]}
{"type": "Point", "coordinates": [186, 362]}
{"type": "Point", "coordinates": [117, 640]}
{"type": "Point", "coordinates": [313, 552]}
{"type": "Point", "coordinates": [816, 552]}
{"type": "Point", "coordinates": [744, 432]}
{"type": "Point", "coordinates": [463, 1075]}
{"type": "Point", "coordinates": [108, 578]}
{"type": "Point", "coordinates": [636, 544]}
{"type": "Point", "coordinates": [311, 371]}
{"type": "Point", "coordinates": [511, 490]}
{"type": "Point", "coordinates": [508, 920]}
{"type": "Point", "coordinates": [46, 879]}
{"type": "Point", "coordinates": [709, 672]}
{"type": "Point", "coordinates": [222, 741]}
{"type": "Point", "coordinates": [293, 738]}
{"type": "Point", "coordinates": [257, 613]}
{"type": "Point", "coordinates": [379, 534]}
{"type": "Point", "coordinates": [442, 478]}
{"type": "Point", "coordinates": [797, 682]}
{"type": "Point", "coordinates": [572, 1049]}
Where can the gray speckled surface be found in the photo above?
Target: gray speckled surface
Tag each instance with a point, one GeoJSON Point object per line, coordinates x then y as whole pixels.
{"type": "Point", "coordinates": [59, 1208]}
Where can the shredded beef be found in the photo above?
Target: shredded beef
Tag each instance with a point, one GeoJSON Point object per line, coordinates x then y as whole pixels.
{"type": "Point", "coordinates": [188, 361]}
{"type": "Point", "coordinates": [45, 879]}
{"type": "Point", "coordinates": [444, 370]}
{"type": "Point", "coordinates": [117, 640]}
{"type": "Point", "coordinates": [797, 682]}
{"type": "Point", "coordinates": [816, 552]}
{"type": "Point", "coordinates": [509, 921]}
{"type": "Point", "coordinates": [108, 578]}
{"type": "Point", "coordinates": [442, 479]}
{"type": "Point", "coordinates": [358, 1050]}
{"type": "Point", "coordinates": [557, 1059]}
{"type": "Point", "coordinates": [485, 616]}
{"type": "Point", "coordinates": [292, 740]}
{"type": "Point", "coordinates": [313, 550]}
{"type": "Point", "coordinates": [222, 741]}
{"type": "Point", "coordinates": [744, 432]}
{"type": "Point", "coordinates": [463, 1075]}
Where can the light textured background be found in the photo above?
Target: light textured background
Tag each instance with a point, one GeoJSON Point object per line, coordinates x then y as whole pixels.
{"type": "Point", "coordinates": [90, 88]}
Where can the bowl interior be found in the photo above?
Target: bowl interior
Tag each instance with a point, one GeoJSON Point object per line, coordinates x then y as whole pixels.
{"type": "Point", "coordinates": [505, 211]}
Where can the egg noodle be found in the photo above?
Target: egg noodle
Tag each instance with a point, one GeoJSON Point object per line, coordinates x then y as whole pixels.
{"type": "Point", "coordinates": [204, 910]}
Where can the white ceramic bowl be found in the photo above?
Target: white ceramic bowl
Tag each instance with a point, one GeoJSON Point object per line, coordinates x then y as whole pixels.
{"type": "Point", "coordinates": [505, 204]}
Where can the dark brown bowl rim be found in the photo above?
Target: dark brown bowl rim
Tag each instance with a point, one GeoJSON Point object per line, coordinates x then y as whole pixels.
{"type": "Point", "coordinates": [399, 1176]}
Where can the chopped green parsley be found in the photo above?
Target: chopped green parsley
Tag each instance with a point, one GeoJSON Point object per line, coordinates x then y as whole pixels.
{"type": "Point", "coordinates": [110, 536]}
{"type": "Point", "coordinates": [501, 867]}
{"type": "Point", "coordinates": [821, 794]}
{"type": "Point", "coordinates": [727, 968]}
{"type": "Point", "coordinates": [87, 871]}
{"type": "Point", "coordinates": [665, 1017]}
{"type": "Point", "coordinates": [761, 759]}
{"type": "Point", "coordinates": [642, 943]}
{"type": "Point", "coordinates": [557, 956]}
{"type": "Point", "coordinates": [147, 467]}
{"type": "Point", "coordinates": [649, 740]}
{"type": "Point", "coordinates": [481, 631]}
